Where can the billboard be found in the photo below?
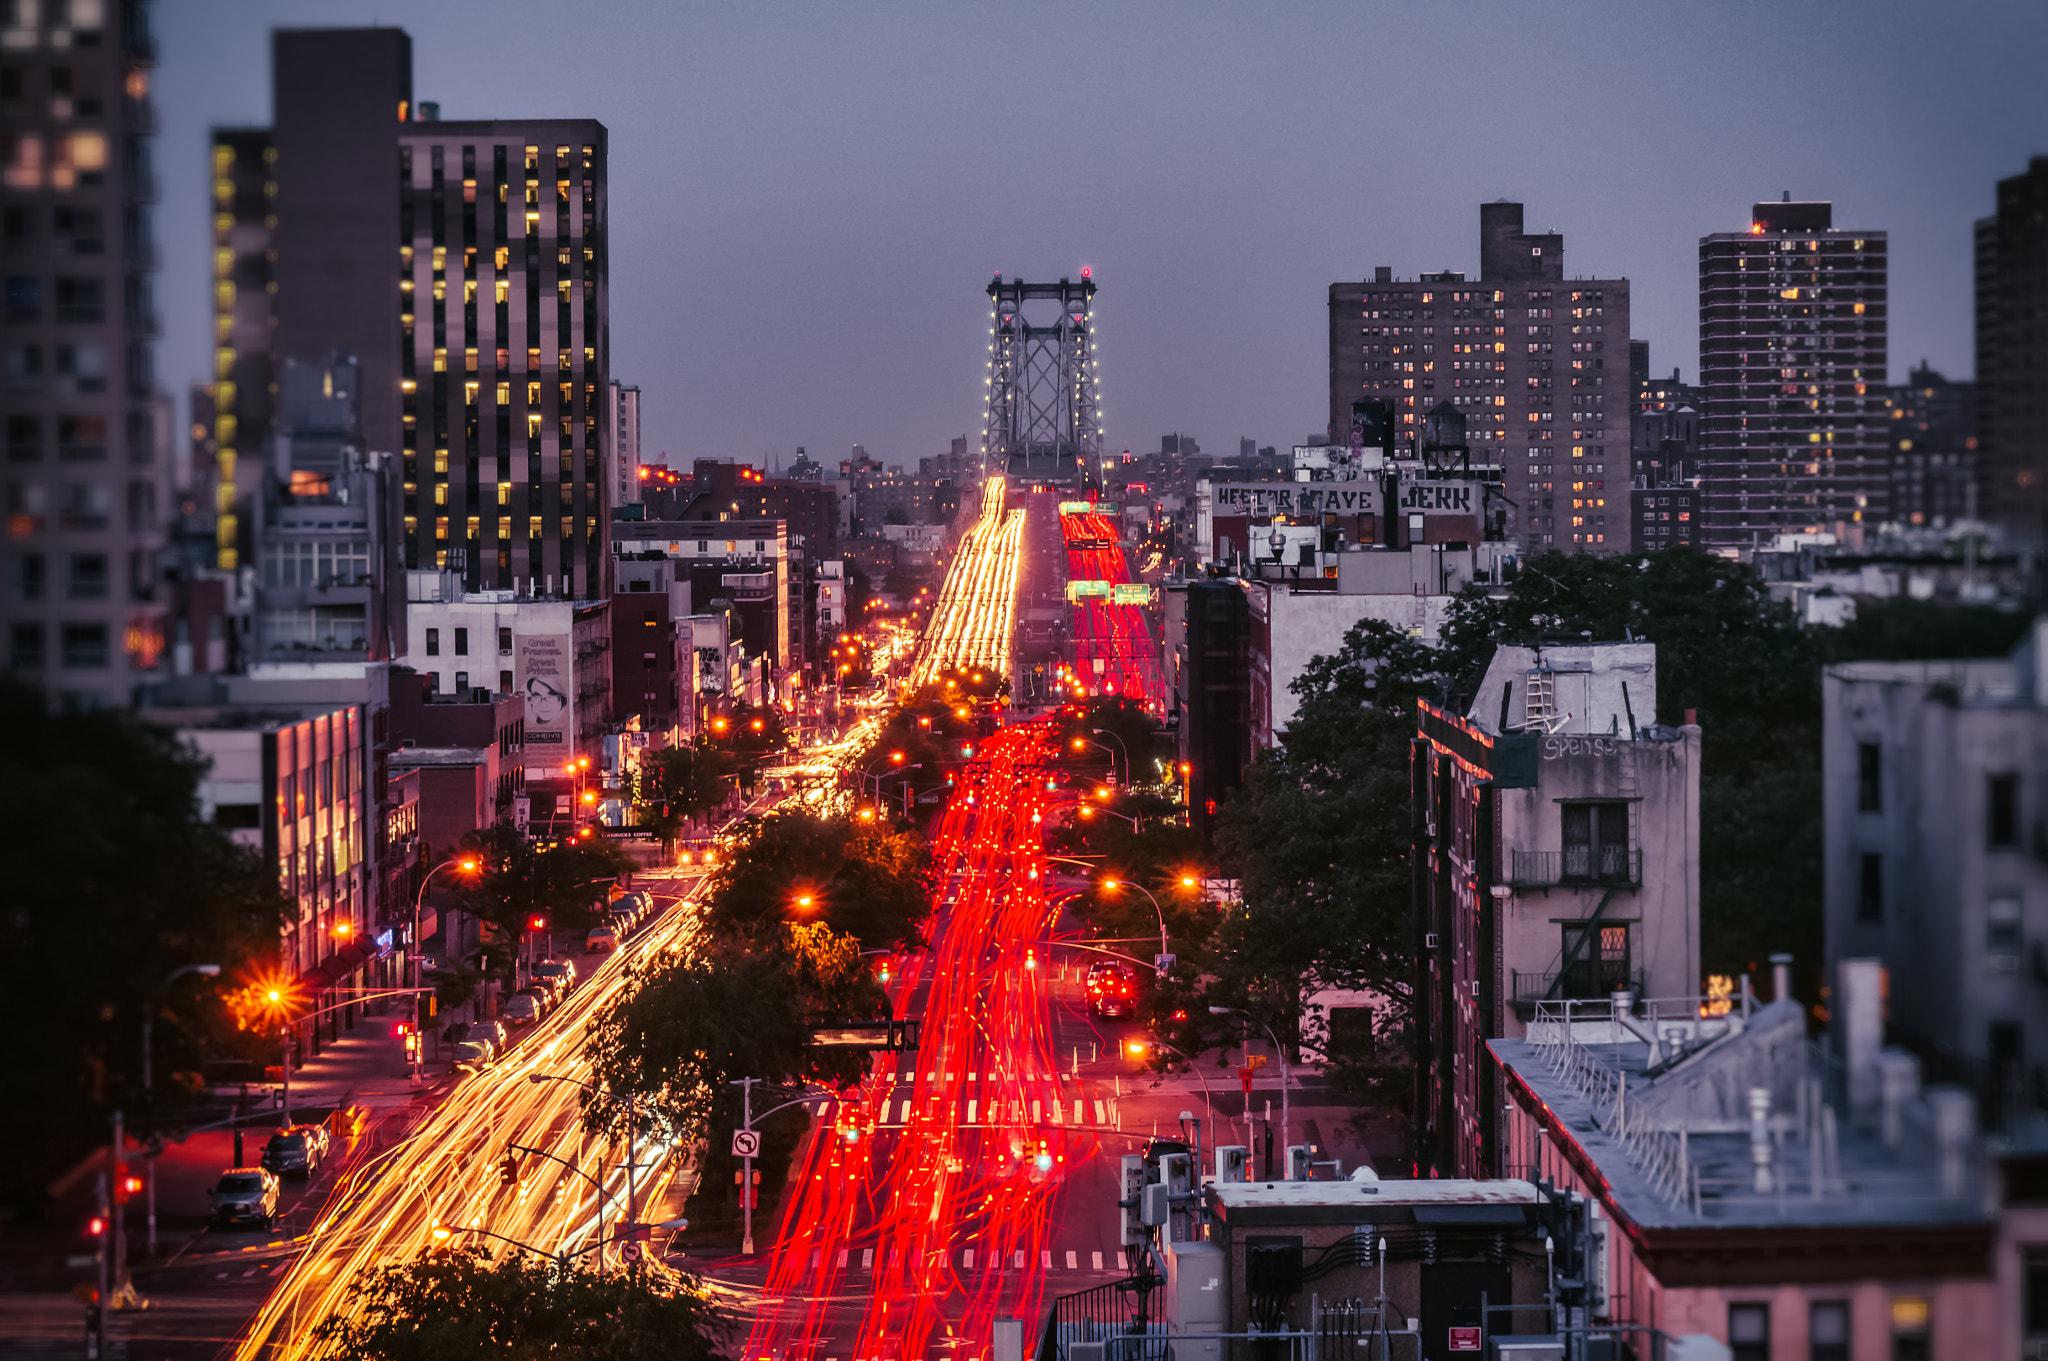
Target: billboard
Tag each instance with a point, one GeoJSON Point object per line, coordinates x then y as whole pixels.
{"type": "Point", "coordinates": [546, 676]}
{"type": "Point", "coordinates": [1440, 498]}
{"type": "Point", "coordinates": [1263, 499]}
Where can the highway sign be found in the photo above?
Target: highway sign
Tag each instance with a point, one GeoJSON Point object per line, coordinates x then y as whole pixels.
{"type": "Point", "coordinates": [746, 1143]}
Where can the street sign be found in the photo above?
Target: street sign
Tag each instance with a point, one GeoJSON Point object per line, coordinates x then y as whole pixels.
{"type": "Point", "coordinates": [1162, 963]}
{"type": "Point", "coordinates": [1464, 1340]}
{"type": "Point", "coordinates": [631, 1252]}
{"type": "Point", "coordinates": [746, 1143]}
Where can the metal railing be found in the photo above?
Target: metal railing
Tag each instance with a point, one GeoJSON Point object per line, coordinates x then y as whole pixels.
{"type": "Point", "coordinates": [1576, 865]}
{"type": "Point", "coordinates": [1590, 980]}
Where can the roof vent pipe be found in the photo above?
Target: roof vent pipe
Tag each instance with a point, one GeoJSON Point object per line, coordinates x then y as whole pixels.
{"type": "Point", "coordinates": [1760, 1137]}
{"type": "Point", "coordinates": [1781, 978]}
{"type": "Point", "coordinates": [1955, 1120]}
{"type": "Point", "coordinates": [1898, 1081]}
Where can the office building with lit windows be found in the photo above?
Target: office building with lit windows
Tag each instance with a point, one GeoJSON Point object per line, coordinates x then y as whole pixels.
{"type": "Point", "coordinates": [504, 354]}
{"type": "Point", "coordinates": [2012, 356]}
{"type": "Point", "coordinates": [1537, 363]}
{"type": "Point", "coordinates": [1794, 433]}
{"type": "Point", "coordinates": [87, 456]}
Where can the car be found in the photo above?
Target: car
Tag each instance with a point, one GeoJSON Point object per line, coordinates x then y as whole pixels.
{"type": "Point", "coordinates": [561, 971]}
{"type": "Point", "coordinates": [549, 987]}
{"type": "Point", "coordinates": [522, 1008]}
{"type": "Point", "coordinates": [245, 1195]}
{"type": "Point", "coordinates": [495, 1032]}
{"type": "Point", "coordinates": [1112, 991]}
{"type": "Point", "coordinates": [293, 1151]}
{"type": "Point", "coordinates": [474, 1055]}
{"type": "Point", "coordinates": [601, 940]}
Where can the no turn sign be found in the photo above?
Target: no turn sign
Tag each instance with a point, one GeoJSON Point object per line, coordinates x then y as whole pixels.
{"type": "Point", "coordinates": [746, 1143]}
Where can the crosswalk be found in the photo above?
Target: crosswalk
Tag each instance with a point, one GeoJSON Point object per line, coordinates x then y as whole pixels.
{"type": "Point", "coordinates": [966, 1259]}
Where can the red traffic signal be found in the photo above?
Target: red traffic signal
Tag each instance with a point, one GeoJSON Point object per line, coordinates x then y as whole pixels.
{"type": "Point", "coordinates": [537, 924]}
{"type": "Point", "coordinates": [126, 1183]}
{"type": "Point", "coordinates": [96, 1227]}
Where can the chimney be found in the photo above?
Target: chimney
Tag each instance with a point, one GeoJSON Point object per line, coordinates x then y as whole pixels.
{"type": "Point", "coordinates": [1781, 978]}
{"type": "Point", "coordinates": [1760, 1137]}
{"type": "Point", "coordinates": [1898, 1082]}
{"type": "Point", "coordinates": [1859, 1017]}
{"type": "Point", "coordinates": [1383, 274]}
{"type": "Point", "coordinates": [1955, 1120]}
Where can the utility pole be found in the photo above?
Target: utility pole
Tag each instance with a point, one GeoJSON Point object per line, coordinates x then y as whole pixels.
{"type": "Point", "coordinates": [106, 1293]}
{"type": "Point", "coordinates": [117, 1219]}
{"type": "Point", "coordinates": [746, 1086]}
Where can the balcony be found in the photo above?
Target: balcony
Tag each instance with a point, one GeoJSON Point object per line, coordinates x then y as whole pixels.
{"type": "Point", "coordinates": [1609, 866]}
{"type": "Point", "coordinates": [1596, 979]}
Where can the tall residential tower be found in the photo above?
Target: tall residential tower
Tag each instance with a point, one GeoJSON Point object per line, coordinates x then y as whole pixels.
{"type": "Point", "coordinates": [1537, 364]}
{"type": "Point", "coordinates": [1794, 434]}
{"type": "Point", "coordinates": [87, 484]}
{"type": "Point", "coordinates": [2012, 355]}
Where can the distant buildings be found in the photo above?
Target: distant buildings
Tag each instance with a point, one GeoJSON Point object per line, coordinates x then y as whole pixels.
{"type": "Point", "coordinates": [1537, 364]}
{"type": "Point", "coordinates": [1794, 434]}
{"type": "Point", "coordinates": [1934, 449]}
{"type": "Point", "coordinates": [2012, 355]}
{"type": "Point", "coordinates": [88, 455]}
{"type": "Point", "coordinates": [625, 458]}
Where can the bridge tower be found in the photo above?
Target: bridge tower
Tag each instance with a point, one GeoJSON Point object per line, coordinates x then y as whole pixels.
{"type": "Point", "coordinates": [1043, 422]}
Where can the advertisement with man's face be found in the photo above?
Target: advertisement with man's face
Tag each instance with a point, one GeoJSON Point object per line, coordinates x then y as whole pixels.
{"type": "Point", "coordinates": [546, 677]}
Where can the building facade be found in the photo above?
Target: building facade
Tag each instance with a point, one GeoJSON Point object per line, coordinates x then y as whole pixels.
{"type": "Point", "coordinates": [1936, 845]}
{"type": "Point", "coordinates": [625, 428]}
{"type": "Point", "coordinates": [1934, 449]}
{"type": "Point", "coordinates": [1794, 433]}
{"type": "Point", "coordinates": [652, 652]}
{"type": "Point", "coordinates": [1538, 364]}
{"type": "Point", "coordinates": [88, 455]}
{"type": "Point", "coordinates": [2012, 355]}
{"type": "Point", "coordinates": [1665, 515]}
{"type": "Point", "coordinates": [1556, 857]}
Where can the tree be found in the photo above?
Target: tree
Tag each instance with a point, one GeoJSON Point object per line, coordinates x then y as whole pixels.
{"type": "Point", "coordinates": [688, 1024]}
{"type": "Point", "coordinates": [865, 880]}
{"type": "Point", "coordinates": [679, 783]}
{"type": "Point", "coordinates": [1121, 725]}
{"type": "Point", "coordinates": [465, 1302]}
{"type": "Point", "coordinates": [519, 878]}
{"type": "Point", "coordinates": [112, 881]}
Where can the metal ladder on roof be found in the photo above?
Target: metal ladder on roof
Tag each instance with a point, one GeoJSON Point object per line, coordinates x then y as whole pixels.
{"type": "Point", "coordinates": [1539, 697]}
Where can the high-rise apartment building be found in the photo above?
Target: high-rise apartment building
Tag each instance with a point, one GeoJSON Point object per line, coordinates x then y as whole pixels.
{"type": "Point", "coordinates": [2012, 355]}
{"type": "Point", "coordinates": [1538, 365]}
{"type": "Point", "coordinates": [1793, 434]}
{"type": "Point", "coordinates": [462, 266]}
{"type": "Point", "coordinates": [1934, 448]}
{"type": "Point", "coordinates": [625, 428]}
{"type": "Point", "coordinates": [87, 457]}
{"type": "Point", "coordinates": [504, 374]}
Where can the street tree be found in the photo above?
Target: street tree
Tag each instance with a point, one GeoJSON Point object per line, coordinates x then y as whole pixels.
{"type": "Point", "coordinates": [113, 881]}
{"type": "Point", "coordinates": [469, 1301]}
{"type": "Point", "coordinates": [677, 784]}
{"type": "Point", "coordinates": [794, 865]}
{"type": "Point", "coordinates": [519, 878]}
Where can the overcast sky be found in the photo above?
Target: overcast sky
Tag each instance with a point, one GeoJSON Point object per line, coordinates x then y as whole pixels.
{"type": "Point", "coordinates": [807, 200]}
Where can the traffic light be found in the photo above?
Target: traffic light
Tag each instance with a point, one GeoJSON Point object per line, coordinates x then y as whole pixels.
{"type": "Point", "coordinates": [1131, 1202]}
{"type": "Point", "coordinates": [508, 1170]}
{"type": "Point", "coordinates": [537, 923]}
{"type": "Point", "coordinates": [126, 1183]}
{"type": "Point", "coordinates": [1030, 958]}
{"type": "Point", "coordinates": [96, 1227]}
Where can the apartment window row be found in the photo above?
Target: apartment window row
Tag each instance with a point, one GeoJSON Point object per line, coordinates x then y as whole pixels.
{"type": "Point", "coordinates": [80, 647]}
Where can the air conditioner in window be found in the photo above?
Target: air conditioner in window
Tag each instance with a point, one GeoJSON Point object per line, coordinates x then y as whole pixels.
{"type": "Point", "coordinates": [1429, 941]}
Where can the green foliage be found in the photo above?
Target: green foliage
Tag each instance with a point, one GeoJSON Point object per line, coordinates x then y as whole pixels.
{"type": "Point", "coordinates": [1123, 726]}
{"type": "Point", "coordinates": [679, 783]}
{"type": "Point", "coordinates": [564, 881]}
{"type": "Point", "coordinates": [688, 1024]}
{"type": "Point", "coordinates": [112, 882]}
{"type": "Point", "coordinates": [463, 1302]}
{"type": "Point", "coordinates": [865, 880]}
{"type": "Point", "coordinates": [1920, 630]}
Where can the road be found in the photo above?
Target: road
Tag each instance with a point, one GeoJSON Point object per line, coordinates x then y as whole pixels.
{"type": "Point", "coordinates": [975, 616]}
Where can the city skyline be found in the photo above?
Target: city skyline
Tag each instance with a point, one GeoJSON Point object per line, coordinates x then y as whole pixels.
{"type": "Point", "coordinates": [783, 147]}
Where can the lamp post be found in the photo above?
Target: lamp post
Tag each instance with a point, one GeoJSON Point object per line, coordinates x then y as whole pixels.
{"type": "Point", "coordinates": [468, 865]}
{"type": "Point", "coordinates": [1129, 774]}
{"type": "Point", "coordinates": [1282, 1053]}
{"type": "Point", "coordinates": [747, 1119]}
{"type": "Point", "coordinates": [148, 1086]}
{"type": "Point", "coordinates": [1137, 1049]}
{"type": "Point", "coordinates": [632, 1123]}
{"type": "Point", "coordinates": [1114, 884]}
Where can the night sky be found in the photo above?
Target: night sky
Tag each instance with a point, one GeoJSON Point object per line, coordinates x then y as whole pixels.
{"type": "Point", "coordinates": [807, 200]}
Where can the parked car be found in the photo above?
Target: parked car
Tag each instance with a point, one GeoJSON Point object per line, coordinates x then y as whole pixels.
{"type": "Point", "coordinates": [293, 1151]}
{"type": "Point", "coordinates": [561, 971]}
{"type": "Point", "coordinates": [601, 940]}
{"type": "Point", "coordinates": [549, 988]}
{"type": "Point", "coordinates": [522, 1008]}
{"type": "Point", "coordinates": [245, 1195]}
{"type": "Point", "coordinates": [495, 1032]}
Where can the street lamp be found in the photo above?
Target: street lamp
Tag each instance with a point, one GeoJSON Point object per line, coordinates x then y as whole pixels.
{"type": "Point", "coordinates": [1137, 1048]}
{"type": "Point", "coordinates": [1129, 775]}
{"type": "Point", "coordinates": [632, 1123]}
{"type": "Point", "coordinates": [148, 1087]}
{"type": "Point", "coordinates": [1282, 1053]}
{"type": "Point", "coordinates": [1114, 884]}
{"type": "Point", "coordinates": [467, 864]}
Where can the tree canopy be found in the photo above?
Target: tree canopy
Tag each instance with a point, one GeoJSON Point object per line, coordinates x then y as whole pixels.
{"type": "Point", "coordinates": [514, 1306]}
{"type": "Point", "coordinates": [863, 879]}
{"type": "Point", "coordinates": [112, 882]}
